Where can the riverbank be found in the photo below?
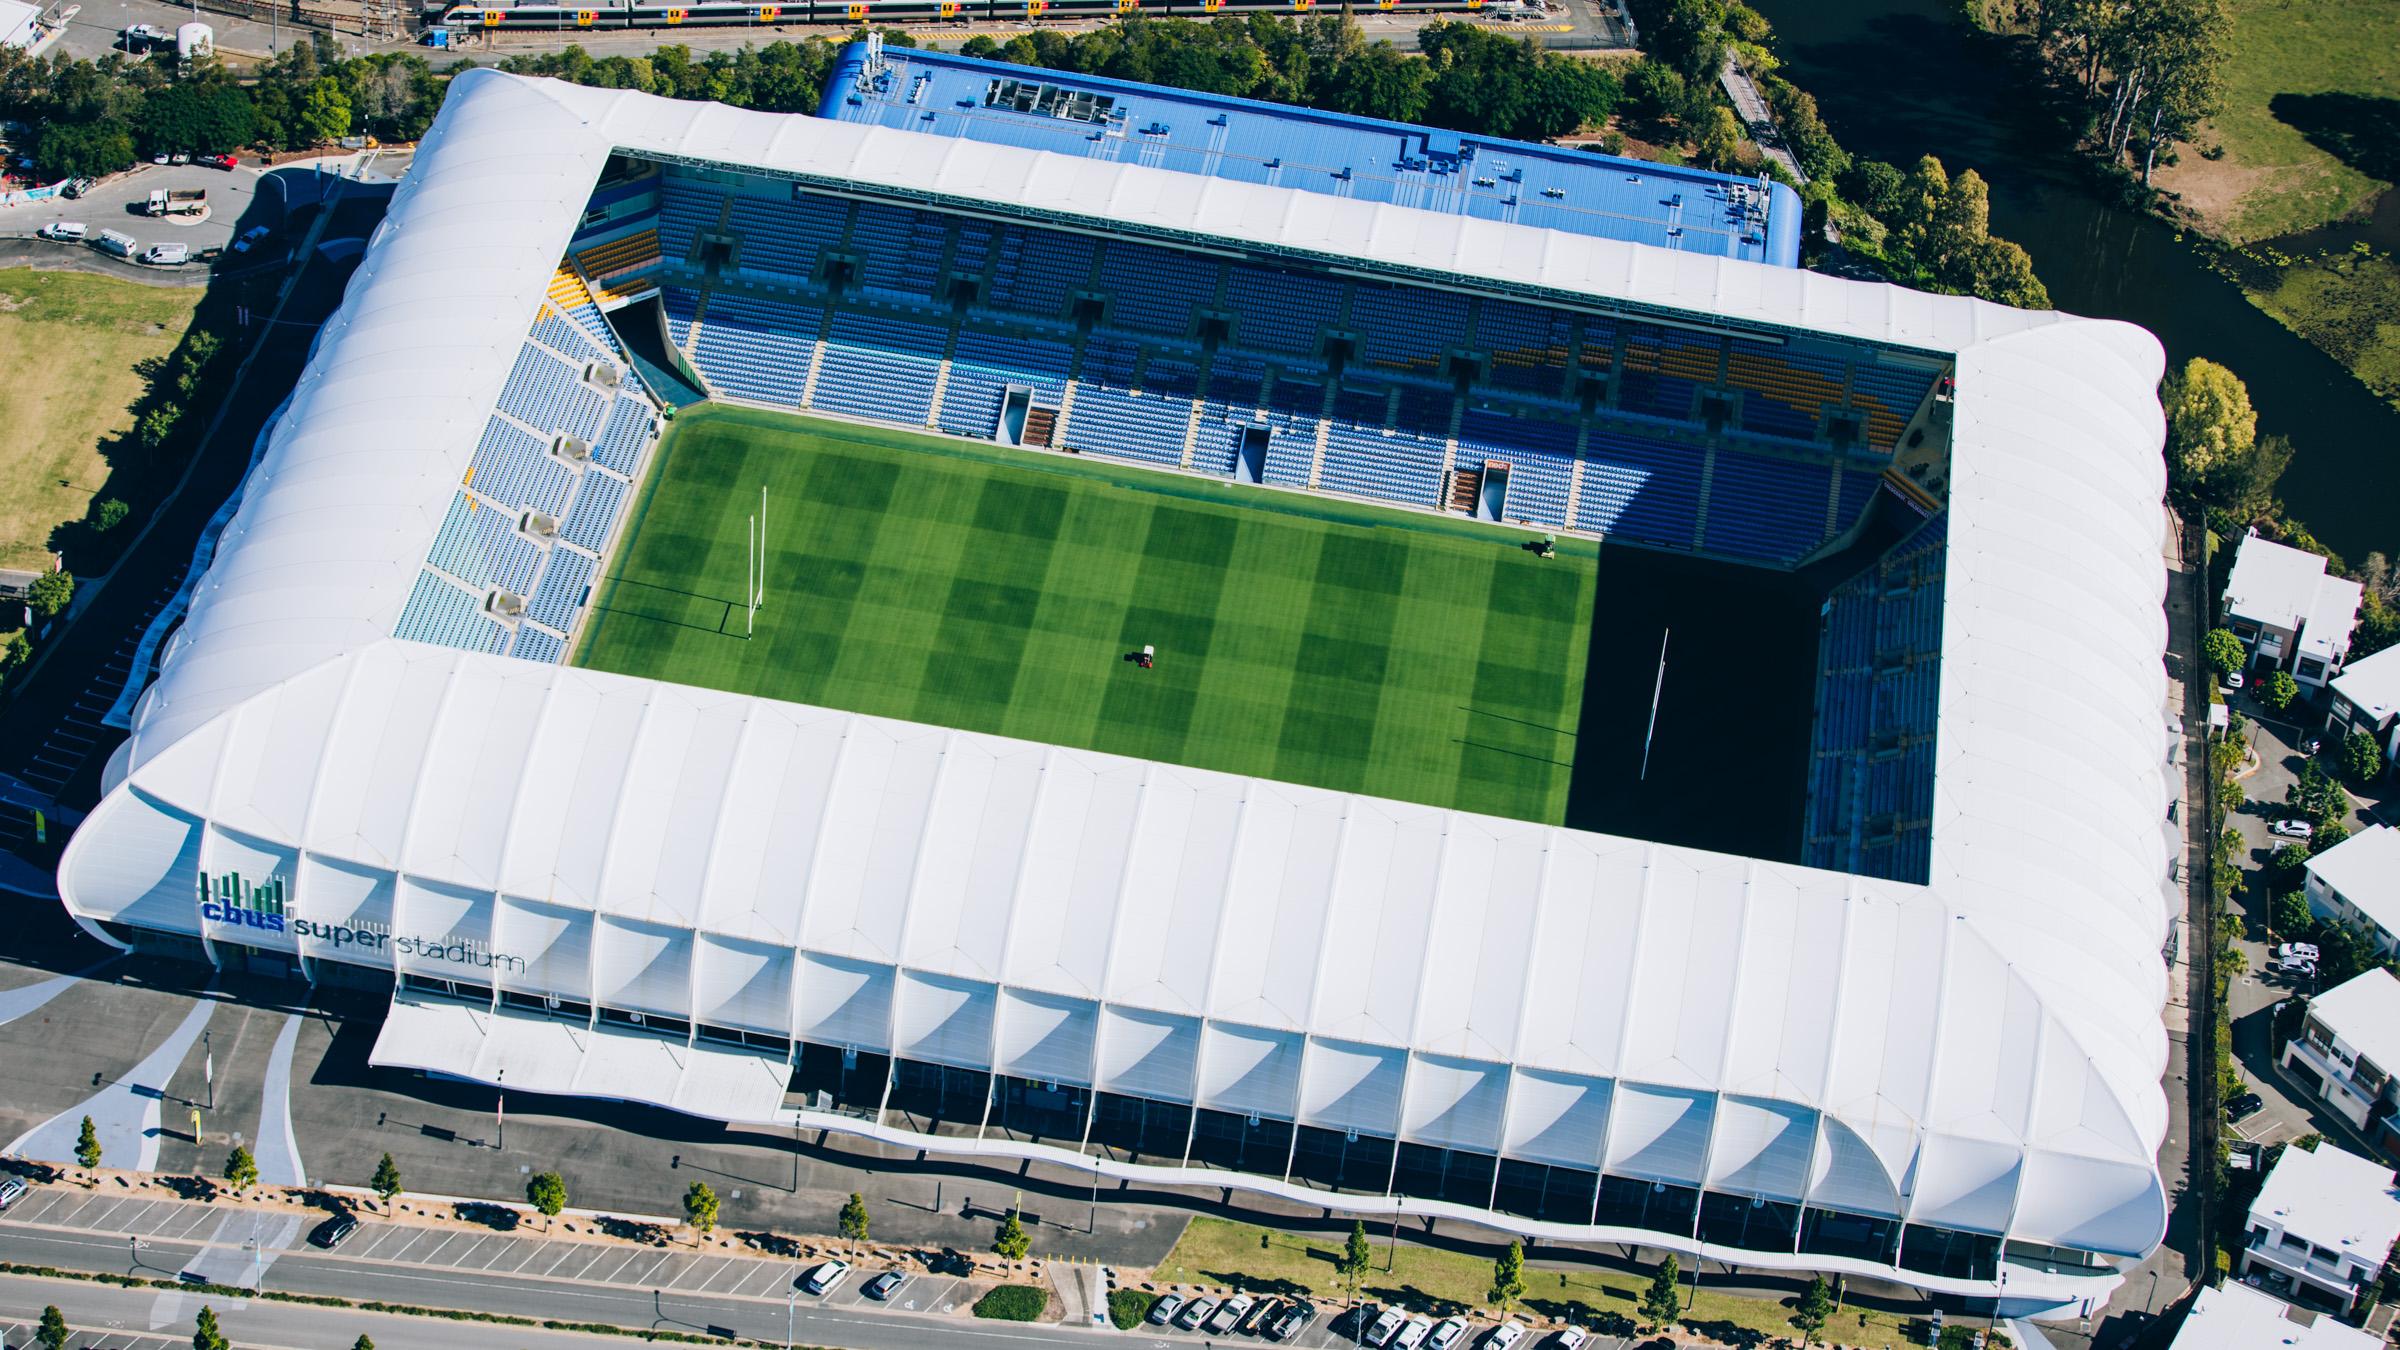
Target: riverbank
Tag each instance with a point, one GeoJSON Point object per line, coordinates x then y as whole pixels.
{"type": "Point", "coordinates": [2291, 180]}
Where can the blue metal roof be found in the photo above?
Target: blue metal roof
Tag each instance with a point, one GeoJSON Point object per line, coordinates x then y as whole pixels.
{"type": "Point", "coordinates": [1334, 153]}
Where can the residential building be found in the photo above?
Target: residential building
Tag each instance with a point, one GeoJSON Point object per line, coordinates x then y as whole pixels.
{"type": "Point", "coordinates": [2357, 883]}
{"type": "Point", "coordinates": [2366, 697]}
{"type": "Point", "coordinates": [2321, 1227]}
{"type": "Point", "coordinates": [2289, 612]}
{"type": "Point", "coordinates": [2236, 1317]}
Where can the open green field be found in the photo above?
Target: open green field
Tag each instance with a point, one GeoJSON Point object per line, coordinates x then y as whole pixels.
{"type": "Point", "coordinates": [2312, 97]}
{"type": "Point", "coordinates": [945, 582]}
{"type": "Point", "coordinates": [72, 345]}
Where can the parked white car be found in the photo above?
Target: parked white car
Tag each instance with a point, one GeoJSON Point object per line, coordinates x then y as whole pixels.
{"type": "Point", "coordinates": [1411, 1334]}
{"type": "Point", "coordinates": [2292, 829]}
{"type": "Point", "coordinates": [1504, 1336]}
{"type": "Point", "coordinates": [1446, 1333]}
{"type": "Point", "coordinates": [826, 1278]}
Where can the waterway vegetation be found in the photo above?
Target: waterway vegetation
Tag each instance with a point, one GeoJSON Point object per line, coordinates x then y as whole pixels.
{"type": "Point", "coordinates": [1920, 226]}
{"type": "Point", "coordinates": [2289, 110]}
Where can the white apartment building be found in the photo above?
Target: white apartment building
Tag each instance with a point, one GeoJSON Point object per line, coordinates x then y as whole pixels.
{"type": "Point", "coordinates": [2289, 612]}
{"type": "Point", "coordinates": [2322, 1227]}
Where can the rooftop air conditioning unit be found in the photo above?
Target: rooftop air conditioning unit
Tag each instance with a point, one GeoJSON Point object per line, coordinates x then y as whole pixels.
{"type": "Point", "coordinates": [573, 449]}
{"type": "Point", "coordinates": [505, 603]}
{"type": "Point", "coordinates": [603, 373]}
{"type": "Point", "coordinates": [540, 525]}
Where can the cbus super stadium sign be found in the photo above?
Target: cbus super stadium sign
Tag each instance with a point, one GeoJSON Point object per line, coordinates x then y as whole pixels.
{"type": "Point", "coordinates": [234, 901]}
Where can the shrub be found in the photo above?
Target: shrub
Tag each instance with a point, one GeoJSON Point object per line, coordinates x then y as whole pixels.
{"type": "Point", "coordinates": [1129, 1308]}
{"type": "Point", "coordinates": [2278, 691]}
{"type": "Point", "coordinates": [2362, 759]}
{"type": "Point", "coordinates": [109, 514]}
{"type": "Point", "coordinates": [2223, 649]}
{"type": "Point", "coordinates": [1018, 1303]}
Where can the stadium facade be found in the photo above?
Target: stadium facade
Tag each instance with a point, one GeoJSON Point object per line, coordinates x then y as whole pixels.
{"type": "Point", "coordinates": [1945, 1070]}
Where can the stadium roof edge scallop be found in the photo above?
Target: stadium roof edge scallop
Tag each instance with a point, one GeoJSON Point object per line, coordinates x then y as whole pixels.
{"type": "Point", "coordinates": [1986, 1056]}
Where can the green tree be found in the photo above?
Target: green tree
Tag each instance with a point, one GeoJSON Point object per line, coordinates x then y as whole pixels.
{"type": "Point", "coordinates": [109, 514]}
{"type": "Point", "coordinates": [323, 114]}
{"type": "Point", "coordinates": [87, 1145]}
{"type": "Point", "coordinates": [2222, 648]}
{"type": "Point", "coordinates": [1816, 1307]}
{"type": "Point", "coordinates": [853, 1219]}
{"type": "Point", "coordinates": [1356, 1260]}
{"type": "Point", "coordinates": [1508, 1279]}
{"type": "Point", "coordinates": [386, 1182]}
{"type": "Point", "coordinates": [155, 427]}
{"type": "Point", "coordinates": [2328, 835]}
{"type": "Point", "coordinates": [1011, 1242]}
{"type": "Point", "coordinates": [364, 1342]}
{"type": "Point", "coordinates": [241, 1170]}
{"type": "Point", "coordinates": [700, 1208]}
{"type": "Point", "coordinates": [206, 1334]}
{"type": "Point", "coordinates": [49, 596]}
{"type": "Point", "coordinates": [2361, 758]}
{"type": "Point", "coordinates": [2291, 915]}
{"type": "Point", "coordinates": [1662, 1302]}
{"type": "Point", "coordinates": [2209, 420]}
{"type": "Point", "coordinates": [53, 1333]}
{"type": "Point", "coordinates": [2316, 798]}
{"type": "Point", "coordinates": [1717, 143]}
{"type": "Point", "coordinates": [2278, 690]}
{"type": "Point", "coordinates": [547, 1192]}
{"type": "Point", "coordinates": [83, 149]}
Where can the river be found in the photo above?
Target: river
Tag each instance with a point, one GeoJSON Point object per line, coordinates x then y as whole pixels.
{"type": "Point", "coordinates": [1897, 79]}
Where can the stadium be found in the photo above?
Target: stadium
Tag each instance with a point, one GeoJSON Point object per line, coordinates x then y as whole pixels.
{"type": "Point", "coordinates": [1044, 620]}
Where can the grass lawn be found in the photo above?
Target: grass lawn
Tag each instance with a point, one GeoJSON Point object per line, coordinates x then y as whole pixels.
{"type": "Point", "coordinates": [70, 343]}
{"type": "Point", "coordinates": [968, 586]}
{"type": "Point", "coordinates": [2273, 180]}
{"type": "Point", "coordinates": [1218, 1253]}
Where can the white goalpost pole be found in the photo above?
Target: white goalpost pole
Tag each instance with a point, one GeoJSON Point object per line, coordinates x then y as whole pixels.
{"type": "Point", "coordinates": [760, 584]}
{"type": "Point", "coordinates": [750, 580]}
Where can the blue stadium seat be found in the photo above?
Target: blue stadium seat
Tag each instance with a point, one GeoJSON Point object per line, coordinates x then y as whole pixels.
{"type": "Point", "coordinates": [984, 365]}
{"type": "Point", "coordinates": [515, 469]}
{"type": "Point", "coordinates": [559, 598]}
{"type": "Point", "coordinates": [592, 516]}
{"type": "Point", "coordinates": [1769, 509]}
{"type": "Point", "coordinates": [1540, 454]}
{"type": "Point", "coordinates": [550, 396]}
{"type": "Point", "coordinates": [879, 367]}
{"type": "Point", "coordinates": [440, 613]}
{"type": "Point", "coordinates": [757, 349]}
{"type": "Point", "coordinates": [533, 644]}
{"type": "Point", "coordinates": [480, 546]}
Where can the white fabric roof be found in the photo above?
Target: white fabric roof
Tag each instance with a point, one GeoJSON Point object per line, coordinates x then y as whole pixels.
{"type": "Point", "coordinates": [1983, 1052]}
{"type": "Point", "coordinates": [2364, 1010]}
{"type": "Point", "coordinates": [17, 23]}
{"type": "Point", "coordinates": [2237, 1317]}
{"type": "Point", "coordinates": [2337, 1200]}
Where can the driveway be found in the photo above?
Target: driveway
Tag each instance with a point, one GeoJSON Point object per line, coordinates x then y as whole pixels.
{"type": "Point", "coordinates": [235, 203]}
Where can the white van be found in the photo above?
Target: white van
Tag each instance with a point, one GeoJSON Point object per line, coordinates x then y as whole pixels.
{"type": "Point", "coordinates": [65, 231]}
{"type": "Point", "coordinates": [168, 255]}
{"type": "Point", "coordinates": [115, 243]}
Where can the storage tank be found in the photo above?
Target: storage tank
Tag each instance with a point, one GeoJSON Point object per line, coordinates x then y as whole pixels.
{"type": "Point", "coordinates": [195, 42]}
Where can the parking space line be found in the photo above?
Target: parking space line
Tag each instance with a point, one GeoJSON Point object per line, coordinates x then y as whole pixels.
{"type": "Point", "coordinates": [765, 1273]}
{"type": "Point", "coordinates": [460, 1257]}
{"type": "Point", "coordinates": [611, 1276]}
{"type": "Point", "coordinates": [432, 1257]}
{"type": "Point", "coordinates": [650, 1276]}
{"type": "Point", "coordinates": [191, 1225]}
{"type": "Point", "coordinates": [413, 1240]}
{"type": "Point", "coordinates": [740, 1269]}
{"type": "Point", "coordinates": [67, 1220]}
{"type": "Point", "coordinates": [559, 1260]}
{"type": "Point", "coordinates": [514, 1258]}
{"type": "Point", "coordinates": [683, 1267]}
{"type": "Point", "coordinates": [591, 1257]}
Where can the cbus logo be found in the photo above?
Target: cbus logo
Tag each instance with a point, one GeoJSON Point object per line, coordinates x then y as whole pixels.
{"type": "Point", "coordinates": [227, 898]}
{"type": "Point", "coordinates": [858, 11]}
{"type": "Point", "coordinates": [767, 13]}
{"type": "Point", "coordinates": [585, 18]}
{"type": "Point", "coordinates": [677, 15]}
{"type": "Point", "coordinates": [492, 18]}
{"type": "Point", "coordinates": [949, 9]}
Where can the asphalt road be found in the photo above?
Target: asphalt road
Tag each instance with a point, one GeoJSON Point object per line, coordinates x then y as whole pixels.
{"type": "Point", "coordinates": [760, 1318]}
{"type": "Point", "coordinates": [108, 1318]}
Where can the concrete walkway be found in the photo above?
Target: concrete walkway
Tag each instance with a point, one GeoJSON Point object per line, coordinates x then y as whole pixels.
{"type": "Point", "coordinates": [1753, 110]}
{"type": "Point", "coordinates": [125, 1113]}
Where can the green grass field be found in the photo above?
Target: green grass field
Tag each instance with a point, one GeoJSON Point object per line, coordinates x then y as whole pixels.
{"type": "Point", "coordinates": [946, 582]}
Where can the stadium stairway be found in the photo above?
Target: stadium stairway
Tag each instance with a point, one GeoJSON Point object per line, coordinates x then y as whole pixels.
{"type": "Point", "coordinates": [1708, 480]}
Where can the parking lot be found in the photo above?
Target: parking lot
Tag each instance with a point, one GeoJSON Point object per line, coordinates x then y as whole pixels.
{"type": "Point", "coordinates": [237, 1246]}
{"type": "Point", "coordinates": [237, 200]}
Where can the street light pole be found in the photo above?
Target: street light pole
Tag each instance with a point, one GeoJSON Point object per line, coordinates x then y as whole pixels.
{"type": "Point", "coordinates": [500, 1109]}
{"type": "Point", "coordinates": [791, 1316]}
